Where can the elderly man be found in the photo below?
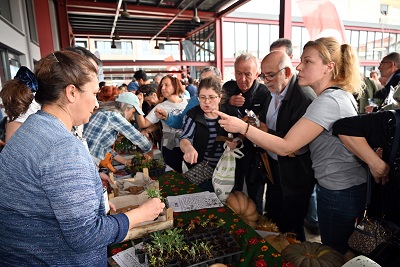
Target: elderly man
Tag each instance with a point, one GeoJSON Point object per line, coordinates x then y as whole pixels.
{"type": "Point", "coordinates": [287, 198]}
{"type": "Point", "coordinates": [390, 69]}
{"type": "Point", "coordinates": [246, 93]}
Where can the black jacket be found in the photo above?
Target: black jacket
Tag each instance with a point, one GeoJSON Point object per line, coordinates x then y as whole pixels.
{"type": "Point", "coordinates": [296, 172]}
{"type": "Point", "coordinates": [384, 92]}
{"type": "Point", "coordinates": [201, 133]}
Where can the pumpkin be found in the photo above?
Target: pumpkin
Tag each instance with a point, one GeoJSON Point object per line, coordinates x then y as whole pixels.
{"type": "Point", "coordinates": [312, 254]}
{"type": "Point", "coordinates": [244, 207]}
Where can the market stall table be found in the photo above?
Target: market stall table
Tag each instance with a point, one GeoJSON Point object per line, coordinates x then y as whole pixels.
{"type": "Point", "coordinates": [257, 251]}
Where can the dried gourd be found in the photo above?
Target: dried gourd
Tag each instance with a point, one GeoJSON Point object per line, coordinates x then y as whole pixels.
{"type": "Point", "coordinates": [244, 207]}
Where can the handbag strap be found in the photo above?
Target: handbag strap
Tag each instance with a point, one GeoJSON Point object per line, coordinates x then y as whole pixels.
{"type": "Point", "coordinates": [396, 138]}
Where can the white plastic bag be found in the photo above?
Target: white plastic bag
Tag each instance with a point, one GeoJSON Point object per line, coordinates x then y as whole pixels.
{"type": "Point", "coordinates": [223, 178]}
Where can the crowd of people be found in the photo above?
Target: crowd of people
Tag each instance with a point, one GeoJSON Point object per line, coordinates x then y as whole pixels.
{"type": "Point", "coordinates": [317, 147]}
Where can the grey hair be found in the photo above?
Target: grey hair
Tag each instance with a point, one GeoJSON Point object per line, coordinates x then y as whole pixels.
{"type": "Point", "coordinates": [248, 56]}
{"type": "Point", "coordinates": [215, 70]}
{"type": "Point", "coordinates": [116, 106]}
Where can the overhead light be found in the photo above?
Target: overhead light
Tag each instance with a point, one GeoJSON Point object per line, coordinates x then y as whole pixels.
{"type": "Point", "coordinates": [156, 47]}
{"type": "Point", "coordinates": [125, 14]}
{"type": "Point", "coordinates": [113, 44]}
{"type": "Point", "coordinates": [195, 18]}
{"type": "Point", "coordinates": [116, 36]}
{"type": "Point", "coordinates": [168, 39]}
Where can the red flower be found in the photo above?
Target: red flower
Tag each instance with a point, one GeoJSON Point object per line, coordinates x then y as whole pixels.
{"type": "Point", "coordinates": [203, 211]}
{"type": "Point", "coordinates": [175, 189]}
{"type": "Point", "coordinates": [240, 231]}
{"type": "Point", "coordinates": [261, 263]}
{"type": "Point", "coordinates": [221, 210]}
{"type": "Point", "coordinates": [287, 264]}
{"type": "Point", "coordinates": [253, 241]}
{"type": "Point", "coordinates": [116, 250]}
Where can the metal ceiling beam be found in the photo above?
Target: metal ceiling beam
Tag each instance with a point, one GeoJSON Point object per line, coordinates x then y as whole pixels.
{"type": "Point", "coordinates": [86, 8]}
{"type": "Point", "coordinates": [119, 63]}
{"type": "Point", "coordinates": [231, 8]}
{"type": "Point", "coordinates": [115, 18]}
{"type": "Point", "coordinates": [170, 22]}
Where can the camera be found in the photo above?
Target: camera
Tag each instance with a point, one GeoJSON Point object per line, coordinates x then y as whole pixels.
{"type": "Point", "coordinates": [253, 116]}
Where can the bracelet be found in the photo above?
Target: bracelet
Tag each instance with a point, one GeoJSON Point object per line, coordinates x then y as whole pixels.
{"type": "Point", "coordinates": [247, 129]}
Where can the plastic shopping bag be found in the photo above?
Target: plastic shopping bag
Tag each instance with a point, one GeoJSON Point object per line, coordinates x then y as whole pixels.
{"type": "Point", "coordinates": [223, 178]}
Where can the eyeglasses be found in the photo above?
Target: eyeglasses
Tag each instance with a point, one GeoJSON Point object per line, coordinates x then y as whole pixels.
{"type": "Point", "coordinates": [203, 98]}
{"type": "Point", "coordinates": [269, 77]}
{"type": "Point", "coordinates": [384, 62]}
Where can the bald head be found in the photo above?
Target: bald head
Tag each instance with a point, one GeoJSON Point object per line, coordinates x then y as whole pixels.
{"type": "Point", "coordinates": [277, 70]}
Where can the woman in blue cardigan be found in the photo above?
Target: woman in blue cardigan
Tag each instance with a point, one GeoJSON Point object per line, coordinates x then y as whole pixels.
{"type": "Point", "coordinates": [52, 206]}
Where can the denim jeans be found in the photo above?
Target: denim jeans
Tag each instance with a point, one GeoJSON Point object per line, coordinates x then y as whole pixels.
{"type": "Point", "coordinates": [312, 215]}
{"type": "Point", "coordinates": [337, 214]}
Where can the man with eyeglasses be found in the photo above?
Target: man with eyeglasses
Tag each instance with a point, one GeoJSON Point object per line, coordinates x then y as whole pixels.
{"type": "Point", "coordinates": [390, 69]}
{"type": "Point", "coordinates": [287, 198]}
{"type": "Point", "coordinates": [246, 93]}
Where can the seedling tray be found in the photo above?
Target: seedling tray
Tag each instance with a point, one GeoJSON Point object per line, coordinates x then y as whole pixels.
{"type": "Point", "coordinates": [224, 248]}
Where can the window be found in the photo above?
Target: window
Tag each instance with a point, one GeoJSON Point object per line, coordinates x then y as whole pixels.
{"type": "Point", "coordinates": [241, 37]}
{"type": "Point", "coordinates": [5, 10]}
{"type": "Point", "coordinates": [252, 42]}
{"type": "Point", "coordinates": [81, 43]}
{"type": "Point", "coordinates": [32, 21]}
{"type": "Point", "coordinates": [229, 40]}
{"type": "Point", "coordinates": [384, 9]}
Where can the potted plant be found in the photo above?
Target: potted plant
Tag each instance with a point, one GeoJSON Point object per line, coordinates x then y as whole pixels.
{"type": "Point", "coordinates": [139, 162]}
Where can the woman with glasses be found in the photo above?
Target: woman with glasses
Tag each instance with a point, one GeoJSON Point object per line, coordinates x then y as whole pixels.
{"type": "Point", "coordinates": [200, 128]}
{"type": "Point", "coordinates": [332, 71]}
{"type": "Point", "coordinates": [169, 88]}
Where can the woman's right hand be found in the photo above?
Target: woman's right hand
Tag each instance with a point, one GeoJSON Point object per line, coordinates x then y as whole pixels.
{"type": "Point", "coordinates": [161, 114]}
{"type": "Point", "coordinates": [191, 155]}
{"type": "Point", "coordinates": [148, 211]}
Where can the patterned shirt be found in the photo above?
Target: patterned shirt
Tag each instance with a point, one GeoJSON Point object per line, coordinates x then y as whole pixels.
{"type": "Point", "coordinates": [188, 132]}
{"type": "Point", "coordinates": [102, 131]}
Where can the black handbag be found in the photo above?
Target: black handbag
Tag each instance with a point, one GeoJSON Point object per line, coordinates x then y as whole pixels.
{"type": "Point", "coordinates": [199, 173]}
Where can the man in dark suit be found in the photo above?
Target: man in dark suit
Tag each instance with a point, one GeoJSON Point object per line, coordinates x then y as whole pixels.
{"type": "Point", "coordinates": [390, 69]}
{"type": "Point", "coordinates": [287, 198]}
{"type": "Point", "coordinates": [246, 93]}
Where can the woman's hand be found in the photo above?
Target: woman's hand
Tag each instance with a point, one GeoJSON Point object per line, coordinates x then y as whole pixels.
{"type": "Point", "coordinates": [190, 155]}
{"type": "Point", "coordinates": [231, 145]}
{"type": "Point", "coordinates": [161, 114]}
{"type": "Point", "coordinates": [380, 169]}
{"type": "Point", "coordinates": [141, 98]}
{"type": "Point", "coordinates": [105, 177]}
{"type": "Point", "coordinates": [112, 207]}
{"type": "Point", "coordinates": [148, 211]}
{"type": "Point", "coordinates": [231, 124]}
